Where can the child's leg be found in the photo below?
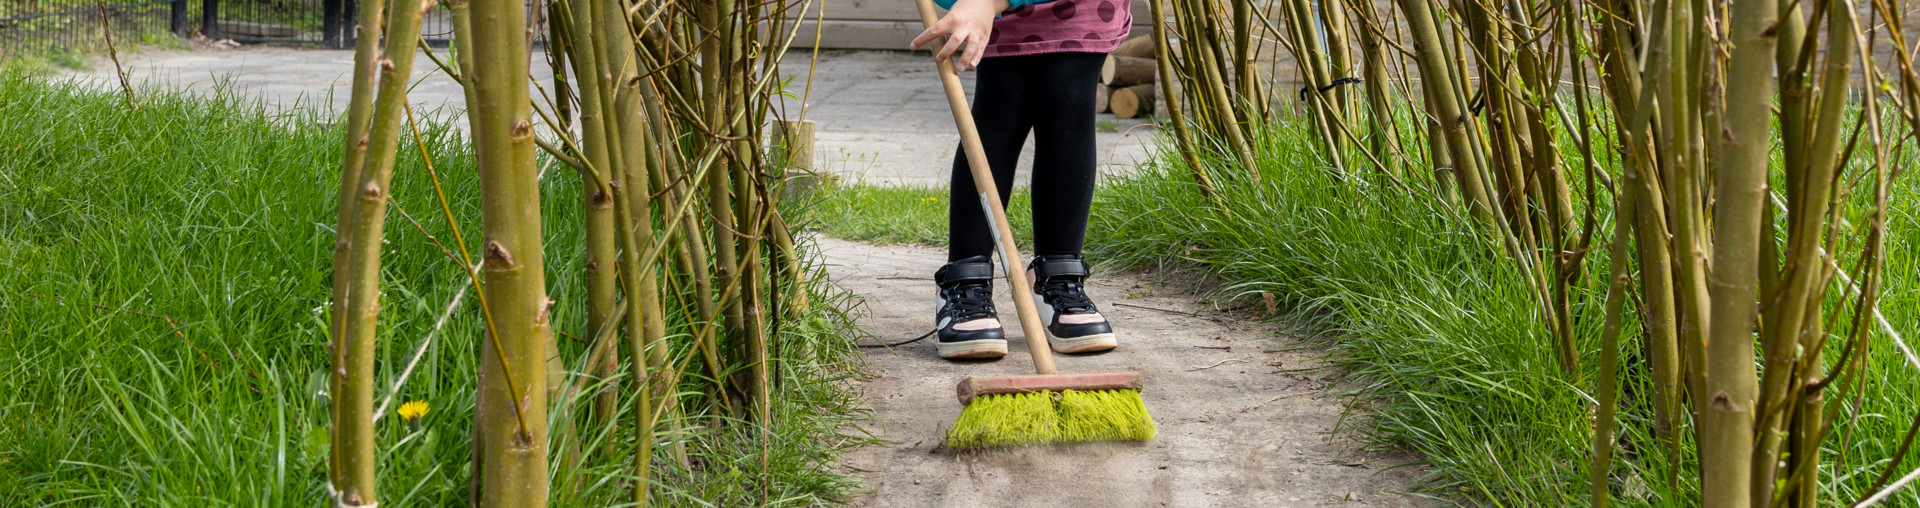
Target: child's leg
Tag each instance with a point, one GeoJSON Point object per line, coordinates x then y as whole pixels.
{"type": "Point", "coordinates": [999, 112]}
{"type": "Point", "coordinates": [1060, 101]}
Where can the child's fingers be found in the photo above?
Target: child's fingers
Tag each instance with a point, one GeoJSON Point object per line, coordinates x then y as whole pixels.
{"type": "Point", "coordinates": [931, 33]}
{"type": "Point", "coordinates": [970, 41]}
{"type": "Point", "coordinates": [953, 45]}
{"type": "Point", "coordinates": [975, 51]}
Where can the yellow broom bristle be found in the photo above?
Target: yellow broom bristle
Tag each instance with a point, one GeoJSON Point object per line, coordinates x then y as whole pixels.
{"type": "Point", "coordinates": [1104, 415]}
{"type": "Point", "coordinates": [1069, 416]}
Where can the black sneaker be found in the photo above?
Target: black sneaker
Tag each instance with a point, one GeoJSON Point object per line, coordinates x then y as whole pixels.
{"type": "Point", "coordinates": [1074, 325]}
{"type": "Point", "coordinates": [968, 326]}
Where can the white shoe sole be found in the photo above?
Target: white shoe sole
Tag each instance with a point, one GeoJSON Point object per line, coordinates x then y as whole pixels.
{"type": "Point", "coordinates": [973, 349]}
{"type": "Point", "coordinates": [1088, 344]}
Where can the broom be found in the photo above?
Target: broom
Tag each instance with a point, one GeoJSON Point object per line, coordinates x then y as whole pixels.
{"type": "Point", "coordinates": [1046, 407]}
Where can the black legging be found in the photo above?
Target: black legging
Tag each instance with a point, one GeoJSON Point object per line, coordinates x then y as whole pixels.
{"type": "Point", "coordinates": [1052, 96]}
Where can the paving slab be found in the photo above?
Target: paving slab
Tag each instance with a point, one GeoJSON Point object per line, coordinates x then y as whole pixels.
{"type": "Point", "coordinates": [280, 77]}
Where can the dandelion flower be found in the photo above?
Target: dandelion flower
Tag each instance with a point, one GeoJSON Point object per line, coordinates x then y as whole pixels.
{"type": "Point", "coordinates": [413, 410]}
{"type": "Point", "coordinates": [931, 199]}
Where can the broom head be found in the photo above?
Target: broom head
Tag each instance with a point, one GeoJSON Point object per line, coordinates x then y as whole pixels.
{"type": "Point", "coordinates": [1051, 408]}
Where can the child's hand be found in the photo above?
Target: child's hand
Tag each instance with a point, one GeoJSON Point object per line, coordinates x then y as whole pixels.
{"type": "Point", "coordinates": [969, 23]}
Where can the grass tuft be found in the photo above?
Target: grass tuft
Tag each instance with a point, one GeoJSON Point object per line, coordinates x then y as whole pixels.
{"type": "Point", "coordinates": [900, 215]}
{"type": "Point", "coordinates": [163, 321]}
{"type": "Point", "coordinates": [1451, 357]}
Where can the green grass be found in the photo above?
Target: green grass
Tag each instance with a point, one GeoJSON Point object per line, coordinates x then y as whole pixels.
{"type": "Point", "coordinates": [901, 215]}
{"type": "Point", "coordinates": [1454, 362]}
{"type": "Point", "coordinates": [80, 43]}
{"type": "Point", "coordinates": [1450, 356]}
{"type": "Point", "coordinates": [163, 319]}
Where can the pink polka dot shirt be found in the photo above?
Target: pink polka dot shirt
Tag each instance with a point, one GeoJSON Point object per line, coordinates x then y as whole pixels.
{"type": "Point", "coordinates": [1059, 26]}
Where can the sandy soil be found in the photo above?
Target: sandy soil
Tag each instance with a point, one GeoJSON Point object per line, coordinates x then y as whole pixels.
{"type": "Point", "coordinates": [1239, 426]}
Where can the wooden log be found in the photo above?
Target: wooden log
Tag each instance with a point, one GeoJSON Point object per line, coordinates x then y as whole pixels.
{"type": "Point", "coordinates": [795, 151]}
{"type": "Point", "coordinates": [796, 144]}
{"type": "Point", "coordinates": [1132, 102]}
{"type": "Point", "coordinates": [1137, 47]}
{"type": "Point", "coordinates": [1125, 71]}
{"type": "Point", "coordinates": [1100, 95]}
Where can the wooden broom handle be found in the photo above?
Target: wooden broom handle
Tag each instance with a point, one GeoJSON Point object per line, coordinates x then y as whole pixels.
{"type": "Point", "coordinates": [1030, 325]}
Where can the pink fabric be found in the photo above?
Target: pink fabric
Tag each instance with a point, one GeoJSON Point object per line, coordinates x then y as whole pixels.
{"type": "Point", "coordinates": [1061, 26]}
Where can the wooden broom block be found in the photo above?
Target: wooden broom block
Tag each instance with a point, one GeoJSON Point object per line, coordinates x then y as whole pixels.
{"type": "Point", "coordinates": [1125, 71]}
{"type": "Point", "coordinates": [1100, 95]}
{"type": "Point", "coordinates": [1132, 102]}
{"type": "Point", "coordinates": [974, 386]}
{"type": "Point", "coordinates": [1137, 47]}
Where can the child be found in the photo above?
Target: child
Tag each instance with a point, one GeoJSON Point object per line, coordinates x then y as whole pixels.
{"type": "Point", "coordinates": [1038, 62]}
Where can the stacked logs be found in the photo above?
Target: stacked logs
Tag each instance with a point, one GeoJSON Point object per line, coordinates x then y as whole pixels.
{"type": "Point", "coordinates": [1127, 80]}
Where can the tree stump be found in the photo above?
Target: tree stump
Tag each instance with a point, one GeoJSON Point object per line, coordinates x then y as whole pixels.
{"type": "Point", "coordinates": [1133, 102]}
{"type": "Point", "coordinates": [1137, 47]}
{"type": "Point", "coordinates": [1125, 71]}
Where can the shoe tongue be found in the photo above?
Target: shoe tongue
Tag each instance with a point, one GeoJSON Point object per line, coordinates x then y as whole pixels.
{"type": "Point", "coordinates": [968, 289]}
{"type": "Point", "coordinates": [970, 300]}
{"type": "Point", "coordinates": [1066, 295]}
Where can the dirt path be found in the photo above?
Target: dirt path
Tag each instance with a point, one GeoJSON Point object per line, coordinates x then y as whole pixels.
{"type": "Point", "coordinates": [1238, 426]}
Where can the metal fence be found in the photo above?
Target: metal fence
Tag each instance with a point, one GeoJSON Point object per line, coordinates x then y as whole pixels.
{"type": "Point", "coordinates": [30, 27]}
{"type": "Point", "coordinates": [327, 22]}
{"type": "Point", "coordinates": [41, 26]}
{"type": "Point", "coordinates": [265, 20]}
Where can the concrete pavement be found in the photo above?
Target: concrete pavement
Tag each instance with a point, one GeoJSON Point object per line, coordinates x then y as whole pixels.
{"type": "Point", "coordinates": [881, 116]}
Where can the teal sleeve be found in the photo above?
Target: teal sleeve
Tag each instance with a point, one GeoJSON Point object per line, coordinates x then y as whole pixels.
{"type": "Point", "coordinates": [948, 4]}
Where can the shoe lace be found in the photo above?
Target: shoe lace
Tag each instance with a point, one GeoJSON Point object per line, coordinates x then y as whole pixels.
{"type": "Point", "coordinates": [1066, 296]}
{"type": "Point", "coordinates": [966, 303]}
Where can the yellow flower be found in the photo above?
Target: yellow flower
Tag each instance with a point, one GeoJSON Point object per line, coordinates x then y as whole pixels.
{"type": "Point", "coordinates": [413, 410]}
{"type": "Point", "coordinates": [931, 199]}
